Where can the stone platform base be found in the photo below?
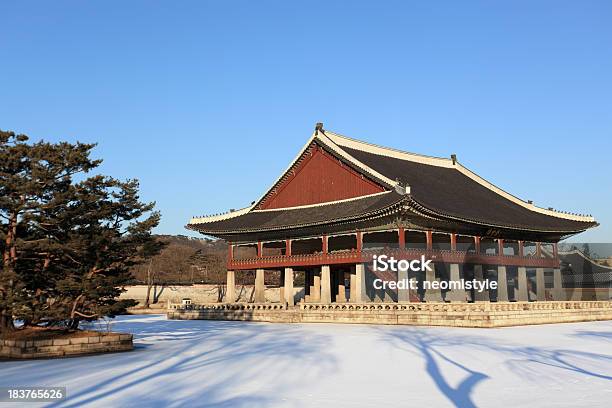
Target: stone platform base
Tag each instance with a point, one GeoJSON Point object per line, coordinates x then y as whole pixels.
{"type": "Point", "coordinates": [50, 348]}
{"type": "Point", "coordinates": [483, 314]}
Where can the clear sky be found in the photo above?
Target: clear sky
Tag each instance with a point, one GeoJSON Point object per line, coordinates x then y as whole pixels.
{"type": "Point", "coordinates": [207, 102]}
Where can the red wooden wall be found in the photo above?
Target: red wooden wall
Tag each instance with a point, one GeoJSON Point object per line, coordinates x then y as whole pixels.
{"type": "Point", "coordinates": [319, 178]}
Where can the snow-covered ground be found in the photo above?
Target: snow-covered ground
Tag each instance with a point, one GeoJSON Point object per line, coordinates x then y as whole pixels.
{"type": "Point", "coordinates": [228, 364]}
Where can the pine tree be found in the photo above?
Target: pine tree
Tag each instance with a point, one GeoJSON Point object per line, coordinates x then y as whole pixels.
{"type": "Point", "coordinates": [34, 179]}
{"type": "Point", "coordinates": [110, 235]}
{"type": "Point", "coordinates": [66, 246]}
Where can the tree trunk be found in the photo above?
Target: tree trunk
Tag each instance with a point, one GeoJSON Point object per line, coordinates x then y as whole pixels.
{"type": "Point", "coordinates": [148, 298]}
{"type": "Point", "coordinates": [6, 322]}
{"type": "Point", "coordinates": [149, 285]}
{"type": "Point", "coordinates": [157, 293]}
{"type": "Point", "coordinates": [73, 324]}
{"type": "Point", "coordinates": [8, 259]}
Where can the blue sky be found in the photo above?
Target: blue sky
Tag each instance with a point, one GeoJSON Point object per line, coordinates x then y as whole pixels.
{"type": "Point", "coordinates": [207, 102]}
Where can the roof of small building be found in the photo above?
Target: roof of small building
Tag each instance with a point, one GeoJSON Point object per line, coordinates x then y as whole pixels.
{"type": "Point", "coordinates": [440, 187]}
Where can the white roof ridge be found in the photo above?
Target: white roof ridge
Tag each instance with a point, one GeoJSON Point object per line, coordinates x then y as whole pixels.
{"type": "Point", "coordinates": [322, 136]}
{"type": "Point", "coordinates": [324, 203]}
{"type": "Point", "coordinates": [345, 141]}
{"type": "Point", "coordinates": [526, 204]}
{"type": "Point", "coordinates": [219, 217]}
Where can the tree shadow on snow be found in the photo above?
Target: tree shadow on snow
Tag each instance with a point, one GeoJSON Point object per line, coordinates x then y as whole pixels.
{"type": "Point", "coordinates": [523, 360]}
{"type": "Point", "coordinates": [190, 347]}
{"type": "Point", "coordinates": [426, 346]}
{"type": "Point", "coordinates": [603, 335]}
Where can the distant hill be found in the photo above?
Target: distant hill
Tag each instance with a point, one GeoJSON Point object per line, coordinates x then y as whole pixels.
{"type": "Point", "coordinates": [185, 260]}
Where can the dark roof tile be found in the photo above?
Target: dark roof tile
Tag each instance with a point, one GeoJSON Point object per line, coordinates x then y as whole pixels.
{"type": "Point", "coordinates": [449, 192]}
{"type": "Point", "coordinates": [303, 216]}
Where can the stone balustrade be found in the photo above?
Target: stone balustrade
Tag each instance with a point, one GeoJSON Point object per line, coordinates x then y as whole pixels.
{"type": "Point", "coordinates": [481, 314]}
{"type": "Point", "coordinates": [459, 307]}
{"type": "Point", "coordinates": [228, 306]}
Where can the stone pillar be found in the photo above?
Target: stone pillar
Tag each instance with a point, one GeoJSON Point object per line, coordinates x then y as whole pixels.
{"type": "Point", "coordinates": [311, 290]}
{"type": "Point", "coordinates": [341, 288]}
{"type": "Point", "coordinates": [315, 293]}
{"type": "Point", "coordinates": [432, 295]}
{"type": "Point", "coordinates": [325, 284]}
{"type": "Point", "coordinates": [455, 295]}
{"type": "Point", "coordinates": [502, 284]}
{"type": "Point", "coordinates": [230, 291]}
{"type": "Point", "coordinates": [260, 295]}
{"type": "Point", "coordinates": [360, 284]}
{"type": "Point", "coordinates": [289, 296]}
{"type": "Point", "coordinates": [281, 289]}
{"type": "Point", "coordinates": [403, 295]}
{"type": "Point", "coordinates": [523, 291]}
{"type": "Point", "coordinates": [540, 285]}
{"type": "Point", "coordinates": [479, 277]}
{"type": "Point", "coordinates": [353, 289]}
{"type": "Point", "coordinates": [307, 277]}
{"type": "Point", "coordinates": [557, 285]}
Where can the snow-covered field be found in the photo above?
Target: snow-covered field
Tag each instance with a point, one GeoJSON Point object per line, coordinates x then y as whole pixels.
{"type": "Point", "coordinates": [228, 364]}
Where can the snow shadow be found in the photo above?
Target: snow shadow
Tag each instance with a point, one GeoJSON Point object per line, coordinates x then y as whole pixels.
{"type": "Point", "coordinates": [426, 345]}
{"type": "Point", "coordinates": [602, 335]}
{"type": "Point", "coordinates": [195, 363]}
{"type": "Point", "coordinates": [525, 361]}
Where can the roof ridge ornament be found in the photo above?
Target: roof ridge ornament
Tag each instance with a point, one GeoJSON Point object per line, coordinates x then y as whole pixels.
{"type": "Point", "coordinates": [454, 158]}
{"type": "Point", "coordinates": [403, 190]}
{"type": "Point", "coordinates": [319, 127]}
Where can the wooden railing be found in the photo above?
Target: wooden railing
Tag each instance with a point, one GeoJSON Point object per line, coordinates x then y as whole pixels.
{"type": "Point", "coordinates": [354, 256]}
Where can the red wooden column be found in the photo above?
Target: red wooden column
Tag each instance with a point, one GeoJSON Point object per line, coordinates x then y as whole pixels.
{"type": "Point", "coordinates": [429, 240]}
{"type": "Point", "coordinates": [230, 253]}
{"type": "Point", "coordinates": [453, 242]}
{"type": "Point", "coordinates": [324, 238]}
{"type": "Point", "coordinates": [538, 250]}
{"type": "Point", "coordinates": [402, 238]}
{"type": "Point", "coordinates": [288, 247]}
{"type": "Point", "coordinates": [477, 244]}
{"type": "Point", "coordinates": [259, 249]}
{"type": "Point", "coordinates": [500, 243]}
{"type": "Point", "coordinates": [359, 241]}
{"type": "Point", "coordinates": [521, 245]}
{"type": "Point", "coordinates": [555, 251]}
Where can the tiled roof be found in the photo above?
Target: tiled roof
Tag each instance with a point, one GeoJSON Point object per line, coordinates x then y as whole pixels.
{"type": "Point", "coordinates": [264, 220]}
{"type": "Point", "coordinates": [438, 187]}
{"type": "Point", "coordinates": [449, 192]}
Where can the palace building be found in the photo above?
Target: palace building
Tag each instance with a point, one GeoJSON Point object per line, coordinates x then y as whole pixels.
{"type": "Point", "coordinates": [342, 200]}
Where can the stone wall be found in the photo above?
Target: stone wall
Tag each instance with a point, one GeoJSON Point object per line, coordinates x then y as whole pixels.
{"type": "Point", "coordinates": [199, 293]}
{"type": "Point", "coordinates": [483, 314]}
{"type": "Point", "coordinates": [105, 342]}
